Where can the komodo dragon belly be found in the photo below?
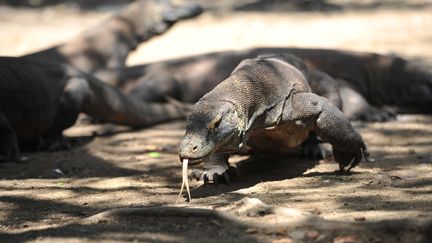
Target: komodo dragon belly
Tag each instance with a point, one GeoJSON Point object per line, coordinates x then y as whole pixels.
{"type": "Point", "coordinates": [276, 140]}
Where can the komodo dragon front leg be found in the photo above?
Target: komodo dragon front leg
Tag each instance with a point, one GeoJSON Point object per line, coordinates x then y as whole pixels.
{"type": "Point", "coordinates": [314, 112]}
{"type": "Point", "coordinates": [323, 85]}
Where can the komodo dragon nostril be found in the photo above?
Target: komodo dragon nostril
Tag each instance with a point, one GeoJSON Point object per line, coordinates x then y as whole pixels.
{"type": "Point", "coordinates": [194, 148]}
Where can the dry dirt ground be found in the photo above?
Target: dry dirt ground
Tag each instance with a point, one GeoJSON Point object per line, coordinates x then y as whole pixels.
{"type": "Point", "coordinates": [52, 196]}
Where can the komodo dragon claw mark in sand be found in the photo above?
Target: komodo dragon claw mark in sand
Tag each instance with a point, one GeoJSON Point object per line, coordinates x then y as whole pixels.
{"type": "Point", "coordinates": [267, 104]}
{"type": "Point", "coordinates": [185, 181]}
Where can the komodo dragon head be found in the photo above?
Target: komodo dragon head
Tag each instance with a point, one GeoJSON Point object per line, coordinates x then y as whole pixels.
{"type": "Point", "coordinates": [212, 126]}
{"type": "Point", "coordinates": [152, 17]}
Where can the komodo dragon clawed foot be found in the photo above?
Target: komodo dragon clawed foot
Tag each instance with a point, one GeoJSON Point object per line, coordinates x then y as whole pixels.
{"type": "Point", "coordinates": [332, 126]}
{"type": "Point", "coordinates": [216, 170]}
{"type": "Point", "coordinates": [215, 176]}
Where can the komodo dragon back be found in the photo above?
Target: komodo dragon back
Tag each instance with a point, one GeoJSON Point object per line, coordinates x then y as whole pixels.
{"type": "Point", "coordinates": [257, 85]}
{"type": "Point", "coordinates": [373, 80]}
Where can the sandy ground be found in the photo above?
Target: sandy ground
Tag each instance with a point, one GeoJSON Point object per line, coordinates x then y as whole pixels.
{"type": "Point", "coordinates": [47, 198]}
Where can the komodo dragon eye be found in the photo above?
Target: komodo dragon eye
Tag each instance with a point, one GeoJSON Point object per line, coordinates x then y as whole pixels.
{"type": "Point", "coordinates": [217, 123]}
{"type": "Point", "coordinates": [214, 124]}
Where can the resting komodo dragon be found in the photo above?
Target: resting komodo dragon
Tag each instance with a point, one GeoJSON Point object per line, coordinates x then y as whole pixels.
{"type": "Point", "coordinates": [361, 78]}
{"type": "Point", "coordinates": [267, 104]}
{"type": "Point", "coordinates": [38, 100]}
{"type": "Point", "coordinates": [108, 44]}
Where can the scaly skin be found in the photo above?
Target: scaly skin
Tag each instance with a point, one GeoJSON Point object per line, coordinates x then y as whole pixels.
{"type": "Point", "coordinates": [267, 104]}
{"type": "Point", "coordinates": [375, 80]}
{"type": "Point", "coordinates": [108, 44]}
{"type": "Point", "coordinates": [39, 100]}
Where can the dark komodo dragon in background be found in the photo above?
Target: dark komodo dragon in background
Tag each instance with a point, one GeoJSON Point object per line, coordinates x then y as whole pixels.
{"type": "Point", "coordinates": [267, 104]}
{"type": "Point", "coordinates": [38, 100]}
{"type": "Point", "coordinates": [108, 44]}
{"type": "Point", "coordinates": [365, 81]}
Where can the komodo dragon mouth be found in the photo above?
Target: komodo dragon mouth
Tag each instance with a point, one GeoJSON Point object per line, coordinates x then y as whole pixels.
{"type": "Point", "coordinates": [195, 161]}
{"type": "Point", "coordinates": [199, 160]}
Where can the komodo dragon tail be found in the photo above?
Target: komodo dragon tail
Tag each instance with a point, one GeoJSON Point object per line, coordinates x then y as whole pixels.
{"type": "Point", "coordinates": [109, 104]}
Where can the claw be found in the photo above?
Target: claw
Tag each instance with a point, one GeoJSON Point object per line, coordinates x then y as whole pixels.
{"type": "Point", "coordinates": [350, 165]}
{"type": "Point", "coordinates": [216, 178]}
{"type": "Point", "coordinates": [366, 155]}
{"type": "Point", "coordinates": [227, 178]}
{"type": "Point", "coordinates": [205, 178]}
{"type": "Point", "coordinates": [210, 177]}
{"type": "Point", "coordinates": [195, 174]}
{"type": "Point", "coordinates": [341, 168]}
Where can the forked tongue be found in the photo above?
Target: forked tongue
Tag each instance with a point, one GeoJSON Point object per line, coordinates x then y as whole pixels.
{"type": "Point", "coordinates": [185, 180]}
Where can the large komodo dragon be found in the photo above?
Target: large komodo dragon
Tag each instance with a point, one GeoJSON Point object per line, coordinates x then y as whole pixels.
{"type": "Point", "coordinates": [365, 80]}
{"type": "Point", "coordinates": [267, 104]}
{"type": "Point", "coordinates": [108, 44]}
{"type": "Point", "coordinates": [38, 100]}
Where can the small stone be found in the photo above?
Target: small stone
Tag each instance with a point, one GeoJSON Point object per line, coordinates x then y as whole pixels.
{"type": "Point", "coordinates": [251, 231]}
{"type": "Point", "coordinates": [316, 211]}
{"type": "Point", "coordinates": [57, 172]}
{"type": "Point", "coordinates": [346, 239]}
{"type": "Point", "coordinates": [313, 234]}
{"type": "Point", "coordinates": [283, 240]}
{"type": "Point", "coordinates": [297, 235]}
{"type": "Point", "coordinates": [277, 231]}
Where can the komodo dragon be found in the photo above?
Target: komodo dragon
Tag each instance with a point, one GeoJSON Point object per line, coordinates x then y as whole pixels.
{"type": "Point", "coordinates": [267, 104]}
{"type": "Point", "coordinates": [108, 44]}
{"type": "Point", "coordinates": [382, 80]}
{"type": "Point", "coordinates": [38, 100]}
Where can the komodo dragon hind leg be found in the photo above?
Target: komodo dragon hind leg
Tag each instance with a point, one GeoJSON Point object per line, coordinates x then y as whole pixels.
{"type": "Point", "coordinates": [216, 170]}
{"type": "Point", "coordinates": [9, 151]}
{"type": "Point", "coordinates": [330, 124]}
